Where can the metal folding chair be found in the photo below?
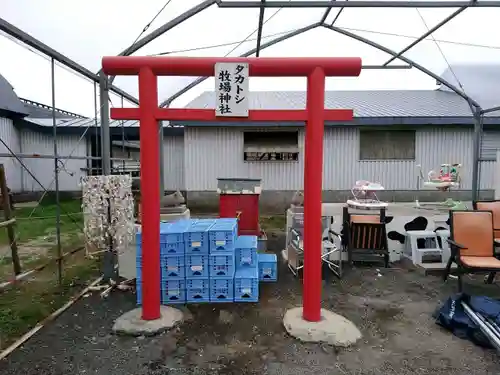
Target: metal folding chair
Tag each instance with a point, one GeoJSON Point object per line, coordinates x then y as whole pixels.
{"type": "Point", "coordinates": [331, 252]}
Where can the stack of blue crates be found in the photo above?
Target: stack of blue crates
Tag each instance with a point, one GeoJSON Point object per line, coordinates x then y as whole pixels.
{"type": "Point", "coordinates": [173, 262]}
{"type": "Point", "coordinates": [222, 237]}
{"type": "Point", "coordinates": [204, 260]}
{"type": "Point", "coordinates": [163, 230]}
{"type": "Point", "coordinates": [246, 278]}
{"type": "Point", "coordinates": [197, 261]}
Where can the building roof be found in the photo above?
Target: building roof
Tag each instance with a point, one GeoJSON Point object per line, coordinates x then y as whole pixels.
{"type": "Point", "coordinates": [41, 114]}
{"type": "Point", "coordinates": [480, 81]}
{"type": "Point", "coordinates": [9, 102]}
{"type": "Point", "coordinates": [383, 107]}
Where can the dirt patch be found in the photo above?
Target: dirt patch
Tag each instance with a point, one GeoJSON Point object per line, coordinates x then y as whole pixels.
{"type": "Point", "coordinates": [393, 311]}
{"type": "Point", "coordinates": [39, 247]}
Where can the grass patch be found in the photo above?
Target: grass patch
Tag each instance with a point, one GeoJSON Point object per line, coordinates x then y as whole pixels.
{"type": "Point", "coordinates": [33, 222]}
{"type": "Point", "coordinates": [33, 299]}
{"type": "Point", "coordinates": [273, 223]}
{"type": "Point", "coordinates": [25, 304]}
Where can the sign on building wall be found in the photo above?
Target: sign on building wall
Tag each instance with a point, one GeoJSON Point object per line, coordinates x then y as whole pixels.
{"type": "Point", "coordinates": [270, 156]}
{"type": "Point", "coordinates": [231, 89]}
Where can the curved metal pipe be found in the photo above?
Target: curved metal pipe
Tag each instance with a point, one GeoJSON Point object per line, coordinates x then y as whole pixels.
{"type": "Point", "coordinates": [163, 29]}
{"type": "Point", "coordinates": [428, 33]}
{"type": "Point", "coordinates": [424, 70]}
{"type": "Point", "coordinates": [250, 52]}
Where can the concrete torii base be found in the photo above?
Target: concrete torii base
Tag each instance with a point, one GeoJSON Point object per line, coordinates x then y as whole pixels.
{"type": "Point", "coordinates": [131, 323]}
{"type": "Point", "coordinates": [333, 329]}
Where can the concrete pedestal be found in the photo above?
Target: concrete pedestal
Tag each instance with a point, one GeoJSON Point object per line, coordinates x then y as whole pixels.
{"type": "Point", "coordinates": [131, 323]}
{"type": "Point", "coordinates": [333, 329]}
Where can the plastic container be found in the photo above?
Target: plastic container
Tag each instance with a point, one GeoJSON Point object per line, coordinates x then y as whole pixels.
{"type": "Point", "coordinates": [223, 235]}
{"type": "Point", "coordinates": [246, 285]}
{"type": "Point", "coordinates": [221, 265]}
{"type": "Point", "coordinates": [246, 251]}
{"type": "Point", "coordinates": [268, 267]}
{"type": "Point", "coordinates": [222, 290]}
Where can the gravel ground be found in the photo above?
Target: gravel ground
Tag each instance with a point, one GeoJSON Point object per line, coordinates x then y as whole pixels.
{"type": "Point", "coordinates": [392, 309]}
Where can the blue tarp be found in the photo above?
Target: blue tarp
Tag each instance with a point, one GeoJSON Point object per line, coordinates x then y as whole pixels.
{"type": "Point", "coordinates": [451, 315]}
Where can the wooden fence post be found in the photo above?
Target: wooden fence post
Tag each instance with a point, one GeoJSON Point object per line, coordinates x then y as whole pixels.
{"type": "Point", "coordinates": [7, 211]}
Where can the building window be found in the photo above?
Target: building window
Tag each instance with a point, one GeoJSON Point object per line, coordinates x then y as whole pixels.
{"type": "Point", "coordinates": [387, 145]}
{"type": "Point", "coordinates": [271, 146]}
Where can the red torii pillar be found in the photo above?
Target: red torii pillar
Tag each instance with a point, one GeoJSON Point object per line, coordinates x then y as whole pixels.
{"type": "Point", "coordinates": [314, 115]}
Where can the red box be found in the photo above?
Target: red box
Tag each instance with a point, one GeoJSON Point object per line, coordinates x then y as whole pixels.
{"type": "Point", "coordinates": [240, 198]}
{"type": "Point", "coordinates": [248, 208]}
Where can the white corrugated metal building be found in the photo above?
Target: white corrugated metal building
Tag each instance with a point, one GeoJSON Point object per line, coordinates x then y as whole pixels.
{"type": "Point", "coordinates": [26, 130]}
{"type": "Point", "coordinates": [393, 132]}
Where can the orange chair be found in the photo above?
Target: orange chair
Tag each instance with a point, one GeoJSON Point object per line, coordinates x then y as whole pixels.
{"type": "Point", "coordinates": [471, 243]}
{"type": "Point", "coordinates": [494, 207]}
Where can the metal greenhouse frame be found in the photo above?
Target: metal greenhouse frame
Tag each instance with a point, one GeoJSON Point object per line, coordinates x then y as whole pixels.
{"type": "Point", "coordinates": [476, 111]}
{"type": "Point", "coordinates": [106, 83]}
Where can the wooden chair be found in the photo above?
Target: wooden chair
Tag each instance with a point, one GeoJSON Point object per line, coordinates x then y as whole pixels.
{"type": "Point", "coordinates": [472, 244]}
{"type": "Point", "coordinates": [365, 237]}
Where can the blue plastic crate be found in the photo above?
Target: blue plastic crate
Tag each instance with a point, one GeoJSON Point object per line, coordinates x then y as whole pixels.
{"type": "Point", "coordinates": [163, 229]}
{"type": "Point", "coordinates": [223, 235]}
{"type": "Point", "coordinates": [221, 265]}
{"type": "Point", "coordinates": [196, 237]}
{"type": "Point", "coordinates": [268, 267]}
{"type": "Point", "coordinates": [246, 285]}
{"type": "Point", "coordinates": [246, 251]}
{"type": "Point", "coordinates": [166, 247]}
{"type": "Point", "coordinates": [197, 266]}
{"type": "Point", "coordinates": [172, 248]}
{"type": "Point", "coordinates": [138, 292]}
{"type": "Point", "coordinates": [174, 232]}
{"type": "Point", "coordinates": [197, 290]}
{"type": "Point", "coordinates": [173, 291]}
{"type": "Point", "coordinates": [222, 290]}
{"type": "Point", "coordinates": [138, 283]}
{"type": "Point", "coordinates": [173, 267]}
{"type": "Point", "coordinates": [138, 268]}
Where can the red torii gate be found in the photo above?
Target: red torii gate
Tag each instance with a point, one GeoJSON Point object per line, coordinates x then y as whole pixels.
{"type": "Point", "coordinates": [315, 115]}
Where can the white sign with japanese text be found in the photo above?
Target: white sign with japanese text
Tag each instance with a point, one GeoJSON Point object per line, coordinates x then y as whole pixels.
{"type": "Point", "coordinates": [231, 89]}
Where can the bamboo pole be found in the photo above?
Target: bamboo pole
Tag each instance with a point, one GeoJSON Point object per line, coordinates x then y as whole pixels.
{"type": "Point", "coordinates": [7, 211]}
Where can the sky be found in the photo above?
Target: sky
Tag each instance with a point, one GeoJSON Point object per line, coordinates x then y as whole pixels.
{"type": "Point", "coordinates": [87, 30]}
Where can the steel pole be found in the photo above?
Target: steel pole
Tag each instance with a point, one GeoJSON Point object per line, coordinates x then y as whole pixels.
{"type": "Point", "coordinates": [359, 4]}
{"type": "Point", "coordinates": [56, 172]}
{"type": "Point", "coordinates": [476, 156]}
{"type": "Point", "coordinates": [123, 139]}
{"type": "Point", "coordinates": [426, 34]}
{"type": "Point", "coordinates": [105, 136]}
{"type": "Point", "coordinates": [27, 39]}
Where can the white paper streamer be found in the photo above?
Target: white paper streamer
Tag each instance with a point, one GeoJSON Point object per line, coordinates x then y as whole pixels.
{"type": "Point", "coordinates": [98, 192]}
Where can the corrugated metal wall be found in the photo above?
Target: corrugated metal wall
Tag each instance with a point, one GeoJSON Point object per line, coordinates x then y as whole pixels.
{"type": "Point", "coordinates": [218, 152]}
{"type": "Point", "coordinates": [43, 169]}
{"type": "Point", "coordinates": [194, 161]}
{"type": "Point", "coordinates": [173, 159]}
{"type": "Point", "coordinates": [10, 135]}
{"type": "Point", "coordinates": [490, 144]}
